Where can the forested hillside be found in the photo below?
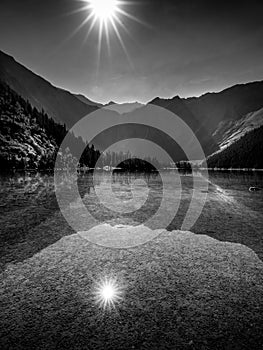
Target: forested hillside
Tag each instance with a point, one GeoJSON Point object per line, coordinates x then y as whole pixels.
{"type": "Point", "coordinates": [244, 153]}
{"type": "Point", "coordinates": [29, 139]}
{"type": "Point", "coordinates": [59, 104]}
{"type": "Point", "coordinates": [231, 104]}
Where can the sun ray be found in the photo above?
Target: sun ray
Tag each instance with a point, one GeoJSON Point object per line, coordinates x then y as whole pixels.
{"type": "Point", "coordinates": [125, 13]}
{"type": "Point", "coordinates": [90, 29]}
{"type": "Point", "coordinates": [108, 293]}
{"type": "Point", "coordinates": [82, 24]}
{"type": "Point", "coordinates": [107, 13]}
{"type": "Point", "coordinates": [71, 35]}
{"type": "Point", "coordinates": [99, 45]}
{"type": "Point", "coordinates": [73, 12]}
{"type": "Point", "coordinates": [107, 38]}
{"type": "Point", "coordinates": [117, 19]}
{"type": "Point", "coordinates": [122, 43]}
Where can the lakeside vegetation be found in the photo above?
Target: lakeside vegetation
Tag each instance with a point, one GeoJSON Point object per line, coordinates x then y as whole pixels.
{"type": "Point", "coordinates": [30, 139]}
{"type": "Point", "coordinates": [245, 153]}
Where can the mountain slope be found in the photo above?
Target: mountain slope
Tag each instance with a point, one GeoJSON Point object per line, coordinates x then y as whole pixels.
{"type": "Point", "coordinates": [128, 132]}
{"type": "Point", "coordinates": [87, 101]}
{"type": "Point", "coordinates": [228, 105]}
{"type": "Point", "coordinates": [29, 139]}
{"type": "Point", "coordinates": [177, 106]}
{"type": "Point", "coordinates": [232, 130]}
{"type": "Point", "coordinates": [217, 119]}
{"type": "Point", "coordinates": [245, 152]}
{"type": "Point", "coordinates": [60, 104]}
{"type": "Point", "coordinates": [23, 140]}
{"type": "Point", "coordinates": [123, 108]}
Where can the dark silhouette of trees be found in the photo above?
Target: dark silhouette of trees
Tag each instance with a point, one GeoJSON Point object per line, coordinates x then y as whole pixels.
{"type": "Point", "coordinates": [137, 165]}
{"type": "Point", "coordinates": [29, 139]}
{"type": "Point", "coordinates": [244, 153]}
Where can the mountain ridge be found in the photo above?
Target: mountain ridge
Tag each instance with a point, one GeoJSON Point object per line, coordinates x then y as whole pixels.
{"type": "Point", "coordinates": [229, 104]}
{"type": "Point", "coordinates": [216, 118]}
{"type": "Point", "coordinates": [87, 101]}
{"type": "Point", "coordinates": [244, 153]}
{"type": "Point", "coordinates": [177, 106]}
{"type": "Point", "coordinates": [60, 104]}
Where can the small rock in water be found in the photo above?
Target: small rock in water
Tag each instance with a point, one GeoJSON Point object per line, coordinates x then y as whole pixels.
{"type": "Point", "coordinates": [253, 189]}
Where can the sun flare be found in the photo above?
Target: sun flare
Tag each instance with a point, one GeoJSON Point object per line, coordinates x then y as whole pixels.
{"type": "Point", "coordinates": [104, 10]}
{"type": "Point", "coordinates": [108, 293]}
{"type": "Point", "coordinates": [108, 18]}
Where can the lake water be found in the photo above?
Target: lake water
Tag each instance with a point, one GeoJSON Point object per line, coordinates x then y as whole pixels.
{"type": "Point", "coordinates": [30, 218]}
{"type": "Point", "coordinates": [177, 291]}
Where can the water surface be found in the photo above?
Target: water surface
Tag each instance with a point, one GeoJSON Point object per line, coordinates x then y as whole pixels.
{"type": "Point", "coordinates": [30, 218]}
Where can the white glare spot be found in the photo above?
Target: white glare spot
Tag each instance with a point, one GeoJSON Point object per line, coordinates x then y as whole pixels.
{"type": "Point", "coordinates": [104, 10]}
{"type": "Point", "coordinates": [108, 293]}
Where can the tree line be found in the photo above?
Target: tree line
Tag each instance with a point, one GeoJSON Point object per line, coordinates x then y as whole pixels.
{"type": "Point", "coordinates": [30, 139]}
{"type": "Point", "coordinates": [244, 153]}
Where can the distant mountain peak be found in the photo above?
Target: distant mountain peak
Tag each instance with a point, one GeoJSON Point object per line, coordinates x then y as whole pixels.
{"type": "Point", "coordinates": [123, 108]}
{"type": "Point", "coordinates": [158, 99]}
{"type": "Point", "coordinates": [110, 103]}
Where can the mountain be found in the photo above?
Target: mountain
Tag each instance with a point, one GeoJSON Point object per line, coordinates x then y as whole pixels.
{"type": "Point", "coordinates": [245, 152]}
{"type": "Point", "coordinates": [29, 139]}
{"type": "Point", "coordinates": [110, 103]}
{"type": "Point", "coordinates": [217, 119]}
{"type": "Point", "coordinates": [230, 104]}
{"type": "Point", "coordinates": [23, 140]}
{"type": "Point", "coordinates": [123, 108]}
{"type": "Point", "coordinates": [87, 101]}
{"type": "Point", "coordinates": [241, 143]}
{"type": "Point", "coordinates": [178, 106]}
{"type": "Point", "coordinates": [226, 128]}
{"type": "Point", "coordinates": [230, 131]}
{"type": "Point", "coordinates": [140, 148]}
{"type": "Point", "coordinates": [59, 104]}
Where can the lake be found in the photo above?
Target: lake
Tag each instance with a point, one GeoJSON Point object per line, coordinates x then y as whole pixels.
{"type": "Point", "coordinates": [179, 290]}
{"type": "Point", "coordinates": [30, 218]}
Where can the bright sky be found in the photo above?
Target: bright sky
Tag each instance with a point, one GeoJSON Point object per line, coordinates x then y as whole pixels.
{"type": "Point", "coordinates": [187, 47]}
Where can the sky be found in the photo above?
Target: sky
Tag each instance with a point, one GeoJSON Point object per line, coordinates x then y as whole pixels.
{"type": "Point", "coordinates": [175, 47]}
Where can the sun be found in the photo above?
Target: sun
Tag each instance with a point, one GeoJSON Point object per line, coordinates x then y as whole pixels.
{"type": "Point", "coordinates": [103, 10]}
{"type": "Point", "coordinates": [108, 18]}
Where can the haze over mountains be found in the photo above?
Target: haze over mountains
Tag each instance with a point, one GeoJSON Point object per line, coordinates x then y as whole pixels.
{"type": "Point", "coordinates": [123, 108]}
{"type": "Point", "coordinates": [217, 119]}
